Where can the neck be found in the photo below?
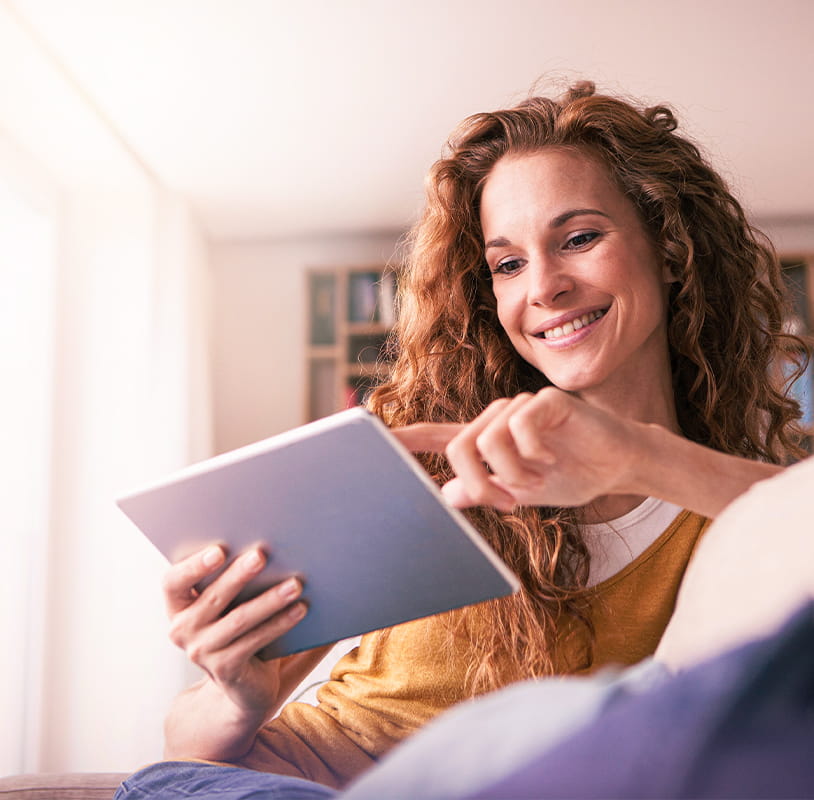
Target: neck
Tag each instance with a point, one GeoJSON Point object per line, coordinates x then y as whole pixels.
{"type": "Point", "coordinates": [610, 506]}
{"type": "Point", "coordinates": [650, 402]}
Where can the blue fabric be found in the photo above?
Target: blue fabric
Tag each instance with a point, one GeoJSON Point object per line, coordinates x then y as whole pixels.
{"type": "Point", "coordinates": [738, 726]}
{"type": "Point", "coordinates": [180, 780]}
{"type": "Point", "coordinates": [482, 741]}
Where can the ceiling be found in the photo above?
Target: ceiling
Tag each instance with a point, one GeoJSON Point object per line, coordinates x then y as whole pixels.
{"type": "Point", "coordinates": [280, 118]}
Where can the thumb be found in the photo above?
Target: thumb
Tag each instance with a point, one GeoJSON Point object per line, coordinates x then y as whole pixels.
{"type": "Point", "coordinates": [456, 494]}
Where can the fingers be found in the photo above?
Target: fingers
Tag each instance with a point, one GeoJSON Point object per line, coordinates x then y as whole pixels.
{"type": "Point", "coordinates": [499, 445]}
{"type": "Point", "coordinates": [497, 457]}
{"type": "Point", "coordinates": [247, 616]}
{"type": "Point", "coordinates": [470, 455]}
{"type": "Point", "coordinates": [200, 618]}
{"type": "Point", "coordinates": [225, 645]}
{"type": "Point", "coordinates": [505, 451]}
{"type": "Point", "coordinates": [533, 424]}
{"type": "Point", "coordinates": [459, 496]}
{"type": "Point", "coordinates": [181, 579]}
{"type": "Point", "coordinates": [427, 437]}
{"type": "Point", "coordinates": [222, 642]}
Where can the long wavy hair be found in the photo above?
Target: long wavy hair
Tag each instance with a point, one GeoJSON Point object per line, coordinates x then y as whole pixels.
{"type": "Point", "coordinates": [452, 357]}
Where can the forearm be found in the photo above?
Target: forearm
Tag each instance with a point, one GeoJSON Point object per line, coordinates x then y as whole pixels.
{"type": "Point", "coordinates": [204, 722]}
{"type": "Point", "coordinates": [703, 480]}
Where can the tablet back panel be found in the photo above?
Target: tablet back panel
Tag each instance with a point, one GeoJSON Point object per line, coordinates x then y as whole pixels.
{"type": "Point", "coordinates": [340, 503]}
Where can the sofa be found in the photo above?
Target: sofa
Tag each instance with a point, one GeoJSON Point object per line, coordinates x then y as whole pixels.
{"type": "Point", "coordinates": [71, 786]}
{"type": "Point", "coordinates": [752, 570]}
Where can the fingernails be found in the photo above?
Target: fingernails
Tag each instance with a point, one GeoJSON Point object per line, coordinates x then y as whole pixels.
{"type": "Point", "coordinates": [212, 556]}
{"type": "Point", "coordinates": [290, 589]}
{"type": "Point", "coordinates": [297, 611]}
{"type": "Point", "coordinates": [252, 560]}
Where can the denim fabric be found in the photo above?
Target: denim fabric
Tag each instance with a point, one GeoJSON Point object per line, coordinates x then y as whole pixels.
{"type": "Point", "coordinates": [180, 780]}
{"type": "Point", "coordinates": [468, 747]}
{"type": "Point", "coordinates": [739, 726]}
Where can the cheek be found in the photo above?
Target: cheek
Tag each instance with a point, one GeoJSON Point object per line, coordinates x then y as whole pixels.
{"type": "Point", "coordinates": [508, 311]}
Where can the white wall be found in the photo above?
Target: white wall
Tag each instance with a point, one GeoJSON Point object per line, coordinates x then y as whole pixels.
{"type": "Point", "coordinates": [130, 401]}
{"type": "Point", "coordinates": [121, 417]}
{"type": "Point", "coordinates": [28, 210]}
{"type": "Point", "coordinates": [260, 327]}
{"type": "Point", "coordinates": [792, 236]}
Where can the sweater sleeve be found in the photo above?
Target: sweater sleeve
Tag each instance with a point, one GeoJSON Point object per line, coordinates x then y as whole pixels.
{"type": "Point", "coordinates": [379, 693]}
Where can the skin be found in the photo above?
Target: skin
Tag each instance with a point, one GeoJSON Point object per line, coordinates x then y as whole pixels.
{"type": "Point", "coordinates": [218, 717]}
{"type": "Point", "coordinates": [562, 243]}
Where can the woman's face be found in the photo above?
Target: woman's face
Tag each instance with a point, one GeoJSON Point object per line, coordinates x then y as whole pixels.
{"type": "Point", "coordinates": [579, 286]}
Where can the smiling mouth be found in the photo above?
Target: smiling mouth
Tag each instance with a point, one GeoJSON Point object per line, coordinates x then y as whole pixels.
{"type": "Point", "coordinates": [572, 325]}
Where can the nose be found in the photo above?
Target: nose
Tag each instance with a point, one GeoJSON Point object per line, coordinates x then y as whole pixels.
{"type": "Point", "coordinates": [548, 281]}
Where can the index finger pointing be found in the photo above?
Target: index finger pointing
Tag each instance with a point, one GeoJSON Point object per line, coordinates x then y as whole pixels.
{"type": "Point", "coordinates": [427, 437]}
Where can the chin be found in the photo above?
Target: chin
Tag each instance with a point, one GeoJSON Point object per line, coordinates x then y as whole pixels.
{"type": "Point", "coordinates": [569, 383]}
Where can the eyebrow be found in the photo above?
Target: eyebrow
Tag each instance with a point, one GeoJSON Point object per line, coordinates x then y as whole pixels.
{"type": "Point", "coordinates": [576, 212]}
{"type": "Point", "coordinates": [557, 222]}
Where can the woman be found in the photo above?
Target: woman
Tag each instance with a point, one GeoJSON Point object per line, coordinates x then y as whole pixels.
{"type": "Point", "coordinates": [588, 329]}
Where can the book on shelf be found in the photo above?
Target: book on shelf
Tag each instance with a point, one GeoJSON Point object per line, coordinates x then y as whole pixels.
{"type": "Point", "coordinates": [363, 297]}
{"type": "Point", "coordinates": [372, 297]}
{"type": "Point", "coordinates": [322, 291]}
{"type": "Point", "coordinates": [387, 298]}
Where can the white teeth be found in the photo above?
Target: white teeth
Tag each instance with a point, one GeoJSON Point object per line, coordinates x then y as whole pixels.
{"type": "Point", "coordinates": [574, 325]}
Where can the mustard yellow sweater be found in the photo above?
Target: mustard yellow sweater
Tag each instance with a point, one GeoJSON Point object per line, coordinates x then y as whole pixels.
{"type": "Point", "coordinates": [397, 680]}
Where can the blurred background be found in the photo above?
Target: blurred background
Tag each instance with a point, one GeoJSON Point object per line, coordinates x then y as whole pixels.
{"type": "Point", "coordinates": [170, 172]}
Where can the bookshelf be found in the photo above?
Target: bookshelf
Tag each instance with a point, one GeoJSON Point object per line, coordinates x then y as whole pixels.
{"type": "Point", "coordinates": [350, 314]}
{"type": "Point", "coordinates": [798, 270]}
{"type": "Point", "coordinates": [351, 311]}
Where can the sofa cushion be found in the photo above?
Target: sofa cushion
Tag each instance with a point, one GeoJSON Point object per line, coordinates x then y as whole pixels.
{"type": "Point", "coordinates": [61, 786]}
{"type": "Point", "coordinates": [754, 566]}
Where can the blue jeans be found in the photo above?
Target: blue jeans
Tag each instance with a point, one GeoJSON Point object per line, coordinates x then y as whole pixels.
{"type": "Point", "coordinates": [180, 780]}
{"type": "Point", "coordinates": [740, 725]}
{"type": "Point", "coordinates": [471, 745]}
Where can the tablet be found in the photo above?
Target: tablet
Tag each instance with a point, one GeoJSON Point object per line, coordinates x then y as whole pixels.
{"type": "Point", "coordinates": [341, 504]}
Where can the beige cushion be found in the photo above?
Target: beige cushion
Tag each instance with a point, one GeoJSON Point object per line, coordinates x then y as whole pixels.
{"type": "Point", "coordinates": [67, 786]}
{"type": "Point", "coordinates": [754, 566]}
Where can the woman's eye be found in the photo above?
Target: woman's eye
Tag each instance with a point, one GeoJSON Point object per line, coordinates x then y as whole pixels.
{"type": "Point", "coordinates": [508, 266]}
{"type": "Point", "coordinates": [581, 240]}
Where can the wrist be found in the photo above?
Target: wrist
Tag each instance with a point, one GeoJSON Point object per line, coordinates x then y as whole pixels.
{"type": "Point", "coordinates": [204, 722]}
{"type": "Point", "coordinates": [645, 442]}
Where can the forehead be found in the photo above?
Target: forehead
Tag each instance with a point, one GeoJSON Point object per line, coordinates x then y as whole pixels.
{"type": "Point", "coordinates": [549, 181]}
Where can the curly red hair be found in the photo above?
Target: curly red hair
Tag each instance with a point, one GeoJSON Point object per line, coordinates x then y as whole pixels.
{"type": "Point", "coordinates": [725, 327]}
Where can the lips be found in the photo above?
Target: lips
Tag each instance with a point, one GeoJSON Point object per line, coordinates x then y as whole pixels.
{"type": "Point", "coordinates": [572, 325]}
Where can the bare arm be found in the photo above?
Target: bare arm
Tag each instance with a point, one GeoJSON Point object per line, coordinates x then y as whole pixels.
{"type": "Point", "coordinates": [554, 449]}
{"type": "Point", "coordinates": [218, 718]}
{"type": "Point", "coordinates": [693, 476]}
{"type": "Point", "coordinates": [205, 706]}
